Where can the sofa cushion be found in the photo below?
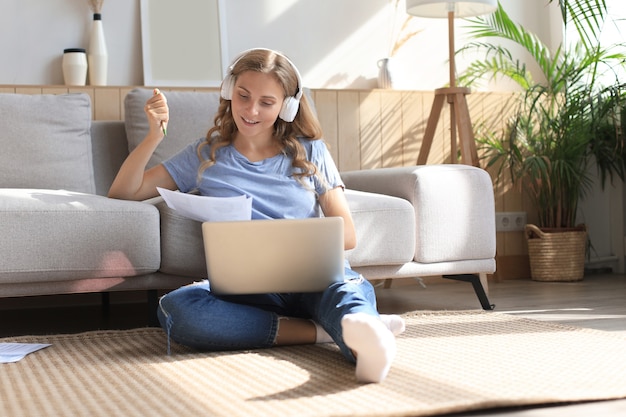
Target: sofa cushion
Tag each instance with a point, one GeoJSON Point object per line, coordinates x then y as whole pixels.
{"type": "Point", "coordinates": [458, 225]}
{"type": "Point", "coordinates": [385, 229]}
{"type": "Point", "coordinates": [191, 116]}
{"type": "Point", "coordinates": [55, 235]}
{"type": "Point", "coordinates": [454, 208]}
{"type": "Point", "coordinates": [45, 141]}
{"type": "Point", "coordinates": [182, 248]}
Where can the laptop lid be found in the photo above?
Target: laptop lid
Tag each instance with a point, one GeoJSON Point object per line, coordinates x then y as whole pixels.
{"type": "Point", "coordinates": [268, 256]}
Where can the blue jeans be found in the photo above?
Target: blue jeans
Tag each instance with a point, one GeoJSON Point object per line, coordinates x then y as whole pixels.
{"type": "Point", "coordinates": [193, 316]}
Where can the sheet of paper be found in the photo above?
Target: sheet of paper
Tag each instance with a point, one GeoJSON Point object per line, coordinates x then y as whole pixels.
{"type": "Point", "coordinates": [13, 352]}
{"type": "Point", "coordinates": [208, 209]}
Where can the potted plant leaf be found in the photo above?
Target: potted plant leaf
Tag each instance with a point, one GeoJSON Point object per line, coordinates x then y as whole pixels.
{"type": "Point", "coordinates": [561, 127]}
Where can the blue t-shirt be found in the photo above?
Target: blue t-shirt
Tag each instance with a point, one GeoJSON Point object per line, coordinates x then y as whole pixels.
{"type": "Point", "coordinates": [275, 192]}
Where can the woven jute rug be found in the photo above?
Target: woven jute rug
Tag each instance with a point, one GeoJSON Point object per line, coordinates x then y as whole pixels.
{"type": "Point", "coordinates": [447, 362]}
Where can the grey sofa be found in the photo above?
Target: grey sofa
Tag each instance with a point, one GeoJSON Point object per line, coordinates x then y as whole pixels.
{"type": "Point", "coordinates": [61, 234]}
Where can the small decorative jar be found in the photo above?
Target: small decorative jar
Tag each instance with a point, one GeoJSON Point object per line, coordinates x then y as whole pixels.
{"type": "Point", "coordinates": [74, 66]}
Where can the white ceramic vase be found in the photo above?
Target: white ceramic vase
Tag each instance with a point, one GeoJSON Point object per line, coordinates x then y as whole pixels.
{"type": "Point", "coordinates": [97, 55]}
{"type": "Point", "coordinates": [385, 73]}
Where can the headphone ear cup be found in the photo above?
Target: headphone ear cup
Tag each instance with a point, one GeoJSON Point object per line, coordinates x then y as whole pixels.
{"type": "Point", "coordinates": [290, 109]}
{"type": "Point", "coordinates": [227, 87]}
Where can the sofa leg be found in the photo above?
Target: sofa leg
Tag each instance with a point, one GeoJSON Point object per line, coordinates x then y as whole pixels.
{"type": "Point", "coordinates": [478, 288]}
{"type": "Point", "coordinates": [105, 304]}
{"type": "Point", "coordinates": [153, 304]}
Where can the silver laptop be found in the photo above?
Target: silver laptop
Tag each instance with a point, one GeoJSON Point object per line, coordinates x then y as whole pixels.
{"type": "Point", "coordinates": [268, 256]}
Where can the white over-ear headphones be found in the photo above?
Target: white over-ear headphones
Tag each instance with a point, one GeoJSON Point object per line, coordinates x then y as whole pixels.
{"type": "Point", "coordinates": [290, 105]}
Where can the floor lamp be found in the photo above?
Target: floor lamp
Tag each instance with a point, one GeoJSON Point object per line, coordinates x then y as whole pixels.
{"type": "Point", "coordinates": [455, 96]}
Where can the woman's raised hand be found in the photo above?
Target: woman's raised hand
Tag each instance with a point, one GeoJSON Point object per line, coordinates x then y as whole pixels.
{"type": "Point", "coordinates": [158, 112]}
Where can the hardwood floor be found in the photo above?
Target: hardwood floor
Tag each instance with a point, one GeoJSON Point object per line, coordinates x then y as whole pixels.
{"type": "Point", "coordinates": [597, 302]}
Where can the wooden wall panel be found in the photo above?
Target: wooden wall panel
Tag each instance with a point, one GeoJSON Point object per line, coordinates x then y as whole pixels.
{"type": "Point", "coordinates": [28, 90]}
{"type": "Point", "coordinates": [326, 107]}
{"type": "Point", "coordinates": [413, 126]}
{"type": "Point", "coordinates": [391, 128]}
{"type": "Point", "coordinates": [348, 131]}
{"type": "Point", "coordinates": [370, 131]}
{"type": "Point", "coordinates": [107, 104]}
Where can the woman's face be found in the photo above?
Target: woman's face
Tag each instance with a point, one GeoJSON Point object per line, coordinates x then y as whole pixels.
{"type": "Point", "coordinates": [256, 103]}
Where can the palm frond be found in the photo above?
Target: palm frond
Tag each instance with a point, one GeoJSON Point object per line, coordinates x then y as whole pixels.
{"type": "Point", "coordinates": [500, 25]}
{"type": "Point", "coordinates": [587, 16]}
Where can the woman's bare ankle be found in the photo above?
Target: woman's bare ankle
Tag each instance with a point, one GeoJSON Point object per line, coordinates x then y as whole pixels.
{"type": "Point", "coordinates": [295, 331]}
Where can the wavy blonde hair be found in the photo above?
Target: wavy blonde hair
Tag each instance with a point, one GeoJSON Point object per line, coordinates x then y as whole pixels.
{"type": "Point", "coordinates": [304, 125]}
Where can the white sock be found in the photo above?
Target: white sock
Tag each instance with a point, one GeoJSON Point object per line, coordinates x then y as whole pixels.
{"type": "Point", "coordinates": [394, 323]}
{"type": "Point", "coordinates": [321, 336]}
{"type": "Point", "coordinates": [372, 342]}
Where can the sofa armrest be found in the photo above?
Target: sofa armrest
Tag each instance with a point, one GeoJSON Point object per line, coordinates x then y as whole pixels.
{"type": "Point", "coordinates": [454, 207]}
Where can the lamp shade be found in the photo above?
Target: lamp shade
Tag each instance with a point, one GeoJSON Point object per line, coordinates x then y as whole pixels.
{"type": "Point", "coordinates": [440, 8]}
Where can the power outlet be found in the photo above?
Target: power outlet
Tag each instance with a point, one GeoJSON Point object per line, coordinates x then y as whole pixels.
{"type": "Point", "coordinates": [510, 221]}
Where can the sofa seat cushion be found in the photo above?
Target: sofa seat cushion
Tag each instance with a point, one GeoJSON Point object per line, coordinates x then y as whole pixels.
{"type": "Point", "coordinates": [62, 236]}
{"type": "Point", "coordinates": [46, 142]}
{"type": "Point", "coordinates": [385, 229]}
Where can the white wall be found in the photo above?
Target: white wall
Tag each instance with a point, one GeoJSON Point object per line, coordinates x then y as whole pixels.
{"type": "Point", "coordinates": [335, 43]}
{"type": "Point", "coordinates": [35, 32]}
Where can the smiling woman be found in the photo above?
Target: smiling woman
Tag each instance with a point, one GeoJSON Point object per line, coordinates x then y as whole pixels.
{"type": "Point", "coordinates": [265, 144]}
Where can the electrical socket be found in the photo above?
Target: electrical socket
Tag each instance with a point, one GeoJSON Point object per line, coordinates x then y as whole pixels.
{"type": "Point", "coordinates": [510, 221]}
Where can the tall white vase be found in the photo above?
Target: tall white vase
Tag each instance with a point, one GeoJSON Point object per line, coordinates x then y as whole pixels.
{"type": "Point", "coordinates": [97, 55]}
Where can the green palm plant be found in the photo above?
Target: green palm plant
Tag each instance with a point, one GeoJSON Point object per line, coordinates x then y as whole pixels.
{"type": "Point", "coordinates": [562, 124]}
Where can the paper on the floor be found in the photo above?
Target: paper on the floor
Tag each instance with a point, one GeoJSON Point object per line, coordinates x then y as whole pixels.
{"type": "Point", "coordinates": [208, 209]}
{"type": "Point", "coordinates": [13, 352]}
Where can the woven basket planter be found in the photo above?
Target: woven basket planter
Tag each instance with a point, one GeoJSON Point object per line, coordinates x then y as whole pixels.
{"type": "Point", "coordinates": [556, 255]}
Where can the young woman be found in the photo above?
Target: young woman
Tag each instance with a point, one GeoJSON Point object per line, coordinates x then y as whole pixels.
{"type": "Point", "coordinates": [265, 143]}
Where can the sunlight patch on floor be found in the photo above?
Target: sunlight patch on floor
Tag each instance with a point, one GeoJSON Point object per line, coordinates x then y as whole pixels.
{"type": "Point", "coordinates": [575, 317]}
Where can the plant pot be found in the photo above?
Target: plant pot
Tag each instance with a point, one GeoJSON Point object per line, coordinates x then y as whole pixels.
{"type": "Point", "coordinates": [556, 254]}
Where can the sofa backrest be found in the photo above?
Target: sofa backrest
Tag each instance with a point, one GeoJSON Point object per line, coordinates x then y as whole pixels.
{"type": "Point", "coordinates": [191, 116]}
{"type": "Point", "coordinates": [49, 141]}
{"type": "Point", "coordinates": [45, 142]}
{"type": "Point", "coordinates": [110, 149]}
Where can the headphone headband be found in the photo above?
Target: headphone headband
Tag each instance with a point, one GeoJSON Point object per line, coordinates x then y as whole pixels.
{"type": "Point", "coordinates": [291, 104]}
